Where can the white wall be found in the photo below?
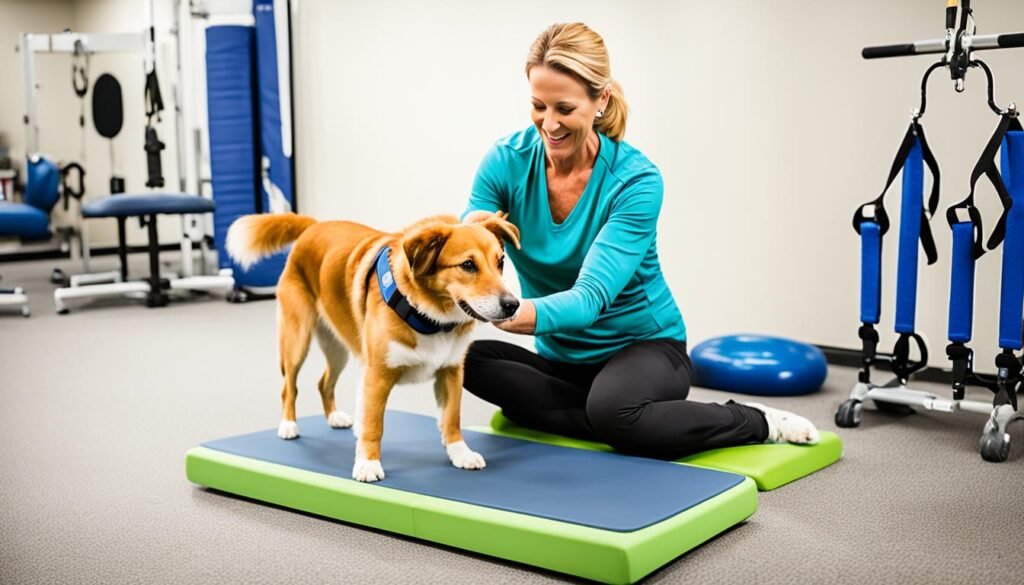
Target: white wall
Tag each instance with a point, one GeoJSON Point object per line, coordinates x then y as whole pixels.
{"type": "Point", "coordinates": [767, 125]}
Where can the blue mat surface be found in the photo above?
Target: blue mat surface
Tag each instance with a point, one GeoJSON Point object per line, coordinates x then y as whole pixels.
{"type": "Point", "coordinates": [589, 488]}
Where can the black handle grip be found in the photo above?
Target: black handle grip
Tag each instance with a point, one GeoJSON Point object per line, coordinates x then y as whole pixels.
{"type": "Point", "coordinates": [1011, 40]}
{"type": "Point", "coordinates": [888, 51]}
{"type": "Point", "coordinates": [153, 147]}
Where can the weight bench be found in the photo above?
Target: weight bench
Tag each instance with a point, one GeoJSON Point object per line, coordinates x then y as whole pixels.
{"type": "Point", "coordinates": [146, 207]}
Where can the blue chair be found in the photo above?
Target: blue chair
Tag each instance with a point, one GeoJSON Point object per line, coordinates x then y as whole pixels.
{"type": "Point", "coordinates": [30, 220]}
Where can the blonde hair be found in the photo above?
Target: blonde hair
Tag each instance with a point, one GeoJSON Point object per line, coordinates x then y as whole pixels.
{"type": "Point", "coordinates": [576, 50]}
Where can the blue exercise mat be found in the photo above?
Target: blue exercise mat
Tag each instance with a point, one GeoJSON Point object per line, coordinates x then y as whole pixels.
{"type": "Point", "coordinates": [600, 490]}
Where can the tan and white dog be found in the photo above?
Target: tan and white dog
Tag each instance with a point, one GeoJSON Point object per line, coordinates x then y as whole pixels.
{"type": "Point", "coordinates": [449, 272]}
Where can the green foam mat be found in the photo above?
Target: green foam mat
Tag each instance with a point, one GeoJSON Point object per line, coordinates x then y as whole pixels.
{"type": "Point", "coordinates": [601, 555]}
{"type": "Point", "coordinates": [769, 465]}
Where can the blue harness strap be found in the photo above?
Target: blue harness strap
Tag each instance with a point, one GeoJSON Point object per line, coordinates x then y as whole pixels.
{"type": "Point", "coordinates": [967, 248]}
{"type": "Point", "coordinates": [961, 288]}
{"type": "Point", "coordinates": [910, 233]}
{"type": "Point", "coordinates": [910, 159]}
{"type": "Point", "coordinates": [397, 301]}
{"type": "Point", "coordinates": [870, 272]}
{"type": "Point", "coordinates": [1011, 304]}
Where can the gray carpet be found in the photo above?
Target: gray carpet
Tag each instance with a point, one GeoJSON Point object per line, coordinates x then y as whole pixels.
{"type": "Point", "coordinates": [100, 406]}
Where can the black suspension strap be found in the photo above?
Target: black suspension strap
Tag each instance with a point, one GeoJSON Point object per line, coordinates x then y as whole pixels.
{"type": "Point", "coordinates": [154, 105]}
{"type": "Point", "coordinates": [872, 222]}
{"type": "Point", "coordinates": [968, 232]}
{"type": "Point", "coordinates": [79, 83]}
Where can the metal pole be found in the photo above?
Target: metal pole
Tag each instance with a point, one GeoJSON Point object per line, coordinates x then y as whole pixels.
{"type": "Point", "coordinates": [28, 71]}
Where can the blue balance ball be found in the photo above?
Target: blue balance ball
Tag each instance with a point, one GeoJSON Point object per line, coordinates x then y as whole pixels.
{"type": "Point", "coordinates": [758, 364]}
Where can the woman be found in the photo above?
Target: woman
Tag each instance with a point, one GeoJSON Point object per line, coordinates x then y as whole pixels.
{"type": "Point", "coordinates": [611, 362]}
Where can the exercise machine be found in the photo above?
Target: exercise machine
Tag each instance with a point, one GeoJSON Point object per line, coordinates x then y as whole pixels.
{"type": "Point", "coordinates": [872, 222]}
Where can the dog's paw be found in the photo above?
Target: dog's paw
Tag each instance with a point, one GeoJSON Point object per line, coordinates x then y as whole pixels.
{"type": "Point", "coordinates": [288, 429]}
{"type": "Point", "coordinates": [367, 470]}
{"type": "Point", "coordinates": [465, 458]}
{"type": "Point", "coordinates": [339, 420]}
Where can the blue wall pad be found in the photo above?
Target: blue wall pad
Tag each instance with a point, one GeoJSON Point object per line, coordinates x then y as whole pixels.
{"type": "Point", "coordinates": [234, 149]}
{"type": "Point", "coordinates": [229, 83]}
{"type": "Point", "coordinates": [275, 115]}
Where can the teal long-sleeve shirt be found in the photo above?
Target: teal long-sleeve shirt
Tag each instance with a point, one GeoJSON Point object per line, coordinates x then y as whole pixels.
{"type": "Point", "coordinates": [595, 278]}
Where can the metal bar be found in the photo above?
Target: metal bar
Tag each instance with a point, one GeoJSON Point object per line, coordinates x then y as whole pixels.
{"type": "Point", "coordinates": [976, 43]}
{"type": "Point", "coordinates": [31, 118]}
{"type": "Point", "coordinates": [92, 42]}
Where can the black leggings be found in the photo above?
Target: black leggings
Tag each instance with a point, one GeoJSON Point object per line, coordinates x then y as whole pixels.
{"type": "Point", "coordinates": [635, 402]}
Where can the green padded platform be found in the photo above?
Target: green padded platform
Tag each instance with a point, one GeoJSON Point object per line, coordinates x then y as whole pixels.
{"type": "Point", "coordinates": [769, 465]}
{"type": "Point", "coordinates": [608, 556]}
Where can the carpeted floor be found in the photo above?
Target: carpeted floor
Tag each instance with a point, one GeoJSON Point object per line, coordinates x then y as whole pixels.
{"type": "Point", "coordinates": [100, 406]}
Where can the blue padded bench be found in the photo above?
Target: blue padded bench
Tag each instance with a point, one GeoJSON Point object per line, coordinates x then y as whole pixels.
{"type": "Point", "coordinates": [146, 206]}
{"type": "Point", "coordinates": [23, 221]}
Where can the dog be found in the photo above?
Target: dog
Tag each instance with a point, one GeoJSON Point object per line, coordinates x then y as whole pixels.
{"type": "Point", "coordinates": [441, 277]}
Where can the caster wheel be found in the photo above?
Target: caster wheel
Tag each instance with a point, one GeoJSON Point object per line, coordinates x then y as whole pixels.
{"type": "Point", "coordinates": [848, 415]}
{"type": "Point", "coordinates": [994, 446]}
{"type": "Point", "coordinates": [58, 277]}
{"type": "Point", "coordinates": [63, 311]}
{"type": "Point", "coordinates": [237, 296]}
{"type": "Point", "coordinates": [26, 312]}
{"type": "Point", "coordinates": [891, 408]}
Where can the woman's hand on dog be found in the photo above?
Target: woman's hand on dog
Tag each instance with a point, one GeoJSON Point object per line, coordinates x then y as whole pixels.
{"type": "Point", "coordinates": [524, 322]}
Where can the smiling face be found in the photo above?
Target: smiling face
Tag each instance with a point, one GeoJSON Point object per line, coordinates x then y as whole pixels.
{"type": "Point", "coordinates": [562, 111]}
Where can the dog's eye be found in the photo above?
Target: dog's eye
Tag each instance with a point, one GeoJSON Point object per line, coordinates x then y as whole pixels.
{"type": "Point", "coordinates": [468, 266]}
{"type": "Point", "coordinates": [501, 263]}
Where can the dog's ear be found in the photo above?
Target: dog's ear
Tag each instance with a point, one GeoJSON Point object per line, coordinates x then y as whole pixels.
{"type": "Point", "coordinates": [502, 229]}
{"type": "Point", "coordinates": [423, 246]}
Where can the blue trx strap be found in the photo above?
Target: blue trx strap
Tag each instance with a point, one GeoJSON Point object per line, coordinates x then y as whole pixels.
{"type": "Point", "coordinates": [1011, 302]}
{"type": "Point", "coordinates": [871, 222]}
{"type": "Point", "coordinates": [397, 301]}
{"type": "Point", "coordinates": [967, 248]}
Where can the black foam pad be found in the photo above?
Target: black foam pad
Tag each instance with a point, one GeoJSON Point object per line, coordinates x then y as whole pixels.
{"type": "Point", "coordinates": [107, 106]}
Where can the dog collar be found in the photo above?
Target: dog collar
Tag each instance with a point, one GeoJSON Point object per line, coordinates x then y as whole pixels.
{"type": "Point", "coordinates": [397, 301]}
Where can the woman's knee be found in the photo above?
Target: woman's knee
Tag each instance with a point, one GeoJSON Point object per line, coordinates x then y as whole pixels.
{"type": "Point", "coordinates": [615, 416]}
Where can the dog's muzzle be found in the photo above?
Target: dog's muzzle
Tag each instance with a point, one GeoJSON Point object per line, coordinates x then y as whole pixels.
{"type": "Point", "coordinates": [495, 308]}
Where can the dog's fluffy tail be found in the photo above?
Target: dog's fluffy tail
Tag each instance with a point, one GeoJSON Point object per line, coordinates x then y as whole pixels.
{"type": "Point", "coordinates": [252, 237]}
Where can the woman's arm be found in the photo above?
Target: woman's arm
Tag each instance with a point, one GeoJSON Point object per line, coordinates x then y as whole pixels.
{"type": "Point", "coordinates": [524, 322]}
{"type": "Point", "coordinates": [490, 191]}
{"type": "Point", "coordinates": [613, 258]}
